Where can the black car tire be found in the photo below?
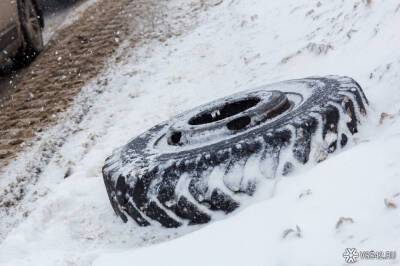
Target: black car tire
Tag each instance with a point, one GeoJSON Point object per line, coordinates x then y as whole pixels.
{"type": "Point", "coordinates": [31, 22]}
{"type": "Point", "coordinates": [183, 171]}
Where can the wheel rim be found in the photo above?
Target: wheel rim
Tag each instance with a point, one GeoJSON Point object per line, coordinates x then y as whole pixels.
{"type": "Point", "coordinates": [230, 117]}
{"type": "Point", "coordinates": [32, 25]}
{"type": "Point", "coordinates": [226, 119]}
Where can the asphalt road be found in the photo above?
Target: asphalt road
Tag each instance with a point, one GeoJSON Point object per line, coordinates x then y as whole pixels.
{"type": "Point", "coordinates": [6, 86]}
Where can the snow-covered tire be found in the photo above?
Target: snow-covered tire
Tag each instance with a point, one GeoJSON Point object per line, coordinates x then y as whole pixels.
{"type": "Point", "coordinates": [208, 159]}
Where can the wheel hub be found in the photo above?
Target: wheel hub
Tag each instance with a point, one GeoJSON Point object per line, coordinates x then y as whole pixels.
{"type": "Point", "coordinates": [233, 115]}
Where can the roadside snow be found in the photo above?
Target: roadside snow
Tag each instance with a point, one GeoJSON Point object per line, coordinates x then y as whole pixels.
{"type": "Point", "coordinates": [238, 45]}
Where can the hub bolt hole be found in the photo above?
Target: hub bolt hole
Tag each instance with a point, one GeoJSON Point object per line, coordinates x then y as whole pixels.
{"type": "Point", "coordinates": [175, 138]}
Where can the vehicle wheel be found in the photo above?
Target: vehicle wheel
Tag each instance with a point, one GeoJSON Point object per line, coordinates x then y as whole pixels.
{"type": "Point", "coordinates": [31, 26]}
{"type": "Point", "coordinates": [209, 159]}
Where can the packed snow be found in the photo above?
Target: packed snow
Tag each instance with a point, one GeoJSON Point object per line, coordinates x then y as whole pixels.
{"type": "Point", "coordinates": [351, 200]}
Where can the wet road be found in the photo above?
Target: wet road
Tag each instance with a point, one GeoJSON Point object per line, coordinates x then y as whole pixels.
{"type": "Point", "coordinates": [6, 86]}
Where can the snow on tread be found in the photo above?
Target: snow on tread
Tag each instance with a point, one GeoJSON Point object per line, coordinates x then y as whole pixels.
{"type": "Point", "coordinates": [204, 161]}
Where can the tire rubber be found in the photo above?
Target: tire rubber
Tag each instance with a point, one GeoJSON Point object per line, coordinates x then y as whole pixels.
{"type": "Point", "coordinates": [191, 178]}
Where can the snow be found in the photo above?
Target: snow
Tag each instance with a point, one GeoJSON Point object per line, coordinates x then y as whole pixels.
{"type": "Point", "coordinates": [236, 45]}
{"type": "Point", "coordinates": [255, 235]}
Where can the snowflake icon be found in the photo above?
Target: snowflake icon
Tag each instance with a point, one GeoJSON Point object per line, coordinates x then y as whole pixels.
{"type": "Point", "coordinates": [350, 255]}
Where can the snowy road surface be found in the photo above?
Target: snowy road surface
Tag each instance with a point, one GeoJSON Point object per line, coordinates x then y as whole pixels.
{"type": "Point", "coordinates": [57, 15]}
{"type": "Point", "coordinates": [78, 51]}
{"type": "Point", "coordinates": [351, 200]}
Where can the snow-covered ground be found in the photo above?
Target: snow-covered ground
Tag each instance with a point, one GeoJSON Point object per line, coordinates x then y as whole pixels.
{"type": "Point", "coordinates": [351, 200]}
